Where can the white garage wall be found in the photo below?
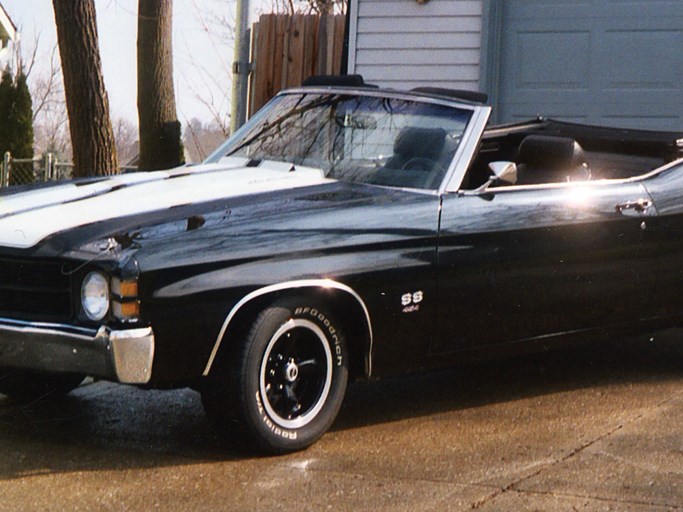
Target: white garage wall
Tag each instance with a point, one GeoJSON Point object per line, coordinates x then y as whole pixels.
{"type": "Point", "coordinates": [403, 44]}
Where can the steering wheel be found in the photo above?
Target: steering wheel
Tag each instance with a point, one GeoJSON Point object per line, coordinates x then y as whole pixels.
{"type": "Point", "coordinates": [419, 163]}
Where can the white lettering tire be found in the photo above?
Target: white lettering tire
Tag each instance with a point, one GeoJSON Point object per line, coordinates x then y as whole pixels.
{"type": "Point", "coordinates": [285, 382]}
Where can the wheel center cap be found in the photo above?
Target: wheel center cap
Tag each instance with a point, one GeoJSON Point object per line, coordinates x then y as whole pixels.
{"type": "Point", "coordinates": [291, 371]}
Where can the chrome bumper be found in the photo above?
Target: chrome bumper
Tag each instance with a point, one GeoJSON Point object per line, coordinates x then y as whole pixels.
{"type": "Point", "coordinates": [124, 355]}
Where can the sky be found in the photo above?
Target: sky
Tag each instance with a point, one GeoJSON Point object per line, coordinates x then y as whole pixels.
{"type": "Point", "coordinates": [201, 46]}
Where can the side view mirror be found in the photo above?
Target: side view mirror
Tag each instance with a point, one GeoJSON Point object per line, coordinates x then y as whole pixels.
{"type": "Point", "coordinates": [504, 171]}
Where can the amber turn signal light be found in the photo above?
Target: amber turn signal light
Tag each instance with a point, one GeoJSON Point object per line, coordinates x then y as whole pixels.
{"type": "Point", "coordinates": [124, 288]}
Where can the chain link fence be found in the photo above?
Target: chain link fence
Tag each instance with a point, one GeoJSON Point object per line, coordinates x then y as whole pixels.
{"type": "Point", "coordinates": [45, 167]}
{"type": "Point", "coordinates": [22, 171]}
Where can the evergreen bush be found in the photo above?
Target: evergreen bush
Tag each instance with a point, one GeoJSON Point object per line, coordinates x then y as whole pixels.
{"type": "Point", "coordinates": [16, 123]}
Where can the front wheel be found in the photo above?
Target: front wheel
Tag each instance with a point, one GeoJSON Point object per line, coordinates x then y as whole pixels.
{"type": "Point", "coordinates": [285, 384]}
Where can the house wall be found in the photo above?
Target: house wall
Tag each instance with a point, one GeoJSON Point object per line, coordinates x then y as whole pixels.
{"type": "Point", "coordinates": [607, 62]}
{"type": "Point", "coordinates": [8, 34]}
{"type": "Point", "coordinates": [403, 44]}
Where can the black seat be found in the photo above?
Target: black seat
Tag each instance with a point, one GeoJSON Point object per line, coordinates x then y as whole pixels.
{"type": "Point", "coordinates": [414, 163]}
{"type": "Point", "coordinates": [548, 159]}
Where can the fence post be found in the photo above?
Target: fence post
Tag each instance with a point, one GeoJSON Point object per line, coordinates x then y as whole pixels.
{"type": "Point", "coordinates": [48, 166]}
{"type": "Point", "coordinates": [6, 162]}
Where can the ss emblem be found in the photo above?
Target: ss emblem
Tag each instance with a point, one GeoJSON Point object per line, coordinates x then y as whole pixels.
{"type": "Point", "coordinates": [412, 298]}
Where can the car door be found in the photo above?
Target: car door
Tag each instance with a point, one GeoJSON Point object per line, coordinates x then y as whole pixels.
{"type": "Point", "coordinates": [517, 263]}
{"type": "Point", "coordinates": [665, 189]}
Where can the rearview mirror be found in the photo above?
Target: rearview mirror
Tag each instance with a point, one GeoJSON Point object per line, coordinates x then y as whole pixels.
{"type": "Point", "coordinates": [356, 121]}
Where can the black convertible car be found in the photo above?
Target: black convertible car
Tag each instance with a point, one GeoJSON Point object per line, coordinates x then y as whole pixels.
{"type": "Point", "coordinates": [342, 233]}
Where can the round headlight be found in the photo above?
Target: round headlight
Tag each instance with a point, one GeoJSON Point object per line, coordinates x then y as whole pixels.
{"type": "Point", "coordinates": [95, 296]}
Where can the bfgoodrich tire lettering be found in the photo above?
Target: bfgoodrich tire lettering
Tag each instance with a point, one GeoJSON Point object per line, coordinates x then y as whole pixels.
{"type": "Point", "coordinates": [286, 381]}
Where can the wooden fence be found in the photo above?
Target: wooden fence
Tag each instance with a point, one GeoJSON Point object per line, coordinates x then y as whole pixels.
{"type": "Point", "coordinates": [287, 49]}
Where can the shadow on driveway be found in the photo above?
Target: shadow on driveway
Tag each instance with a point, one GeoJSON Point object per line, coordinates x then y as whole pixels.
{"type": "Point", "coordinates": [107, 426]}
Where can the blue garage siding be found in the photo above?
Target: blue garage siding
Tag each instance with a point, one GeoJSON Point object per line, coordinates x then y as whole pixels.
{"type": "Point", "coordinates": [611, 62]}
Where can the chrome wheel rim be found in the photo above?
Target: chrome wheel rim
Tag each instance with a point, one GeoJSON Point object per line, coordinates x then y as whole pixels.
{"type": "Point", "coordinates": [296, 373]}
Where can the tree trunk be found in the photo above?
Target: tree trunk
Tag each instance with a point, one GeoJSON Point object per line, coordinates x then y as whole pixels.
{"type": "Point", "coordinates": [92, 137]}
{"type": "Point", "coordinates": [160, 146]}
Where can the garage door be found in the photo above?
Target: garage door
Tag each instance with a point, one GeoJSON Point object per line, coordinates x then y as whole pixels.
{"type": "Point", "coordinates": [611, 62]}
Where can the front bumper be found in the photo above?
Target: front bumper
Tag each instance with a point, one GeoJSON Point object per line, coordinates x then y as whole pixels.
{"type": "Point", "coordinates": [124, 355]}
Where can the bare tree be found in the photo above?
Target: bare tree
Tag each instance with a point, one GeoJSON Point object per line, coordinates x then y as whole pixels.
{"type": "Point", "coordinates": [160, 145]}
{"type": "Point", "coordinates": [51, 131]}
{"type": "Point", "coordinates": [126, 136]}
{"type": "Point", "coordinates": [92, 138]}
{"type": "Point", "coordinates": [211, 83]}
{"type": "Point", "coordinates": [201, 139]}
{"type": "Point", "coordinates": [50, 119]}
{"type": "Point", "coordinates": [309, 6]}
{"type": "Point", "coordinates": [47, 89]}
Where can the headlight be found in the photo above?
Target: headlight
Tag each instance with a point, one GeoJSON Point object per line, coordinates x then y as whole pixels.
{"type": "Point", "coordinates": [95, 296]}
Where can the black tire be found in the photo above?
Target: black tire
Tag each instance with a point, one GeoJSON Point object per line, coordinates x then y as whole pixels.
{"type": "Point", "coordinates": [282, 387]}
{"type": "Point", "coordinates": [30, 384]}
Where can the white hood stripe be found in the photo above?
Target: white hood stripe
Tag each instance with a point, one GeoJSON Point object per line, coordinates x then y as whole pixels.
{"type": "Point", "coordinates": [28, 218]}
{"type": "Point", "coordinates": [13, 204]}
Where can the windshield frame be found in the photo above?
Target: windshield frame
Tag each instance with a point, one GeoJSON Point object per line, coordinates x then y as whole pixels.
{"type": "Point", "coordinates": [459, 163]}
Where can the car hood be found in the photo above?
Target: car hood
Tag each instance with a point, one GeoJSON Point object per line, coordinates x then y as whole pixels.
{"type": "Point", "coordinates": [27, 218]}
{"type": "Point", "coordinates": [209, 213]}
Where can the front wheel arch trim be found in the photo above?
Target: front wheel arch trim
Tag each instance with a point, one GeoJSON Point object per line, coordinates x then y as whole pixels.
{"type": "Point", "coordinates": [292, 285]}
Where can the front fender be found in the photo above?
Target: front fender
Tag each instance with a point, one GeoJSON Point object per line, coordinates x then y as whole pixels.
{"type": "Point", "coordinates": [317, 284]}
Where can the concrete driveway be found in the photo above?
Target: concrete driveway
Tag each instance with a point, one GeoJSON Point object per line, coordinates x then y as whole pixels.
{"type": "Point", "coordinates": [581, 429]}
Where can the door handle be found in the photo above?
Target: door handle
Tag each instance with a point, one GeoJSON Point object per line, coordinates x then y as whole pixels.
{"type": "Point", "coordinates": [640, 206]}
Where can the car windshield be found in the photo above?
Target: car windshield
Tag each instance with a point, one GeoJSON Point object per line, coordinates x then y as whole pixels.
{"type": "Point", "coordinates": [369, 139]}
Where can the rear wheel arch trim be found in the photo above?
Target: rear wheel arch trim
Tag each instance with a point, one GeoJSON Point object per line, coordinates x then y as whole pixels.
{"type": "Point", "coordinates": [292, 285]}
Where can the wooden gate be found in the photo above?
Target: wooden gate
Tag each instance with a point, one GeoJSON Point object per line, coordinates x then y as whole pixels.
{"type": "Point", "coordinates": [287, 49]}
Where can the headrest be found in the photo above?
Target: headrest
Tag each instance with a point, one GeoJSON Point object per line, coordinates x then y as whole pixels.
{"type": "Point", "coordinates": [548, 152]}
{"type": "Point", "coordinates": [420, 142]}
{"type": "Point", "coordinates": [460, 94]}
{"type": "Point", "coordinates": [335, 80]}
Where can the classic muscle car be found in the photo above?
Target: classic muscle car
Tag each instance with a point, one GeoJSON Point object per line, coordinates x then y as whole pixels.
{"type": "Point", "coordinates": [344, 233]}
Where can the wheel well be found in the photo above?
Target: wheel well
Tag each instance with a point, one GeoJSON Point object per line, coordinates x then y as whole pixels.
{"type": "Point", "coordinates": [343, 305]}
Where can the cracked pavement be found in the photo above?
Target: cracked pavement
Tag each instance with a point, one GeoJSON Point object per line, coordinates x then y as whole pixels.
{"type": "Point", "coordinates": [586, 429]}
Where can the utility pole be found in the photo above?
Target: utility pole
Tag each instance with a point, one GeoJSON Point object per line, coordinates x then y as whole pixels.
{"type": "Point", "coordinates": [240, 67]}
